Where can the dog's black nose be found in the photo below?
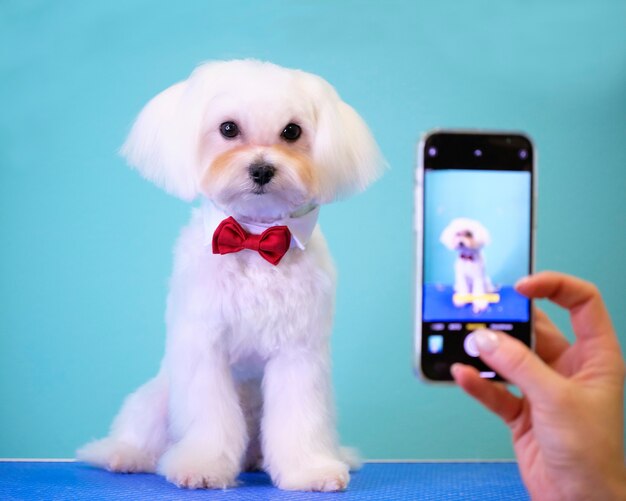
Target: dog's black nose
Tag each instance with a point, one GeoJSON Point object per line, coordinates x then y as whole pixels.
{"type": "Point", "coordinates": [262, 174]}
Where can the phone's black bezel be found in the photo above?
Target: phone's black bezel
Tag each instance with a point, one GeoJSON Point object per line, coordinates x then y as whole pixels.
{"type": "Point", "coordinates": [497, 151]}
{"type": "Point", "coordinates": [474, 151]}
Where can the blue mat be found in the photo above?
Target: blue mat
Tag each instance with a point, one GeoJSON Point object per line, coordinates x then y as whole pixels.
{"type": "Point", "coordinates": [375, 481]}
{"type": "Point", "coordinates": [438, 306]}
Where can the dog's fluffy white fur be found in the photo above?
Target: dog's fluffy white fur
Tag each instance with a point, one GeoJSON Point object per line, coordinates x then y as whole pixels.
{"type": "Point", "coordinates": [467, 237]}
{"type": "Point", "coordinates": [245, 380]}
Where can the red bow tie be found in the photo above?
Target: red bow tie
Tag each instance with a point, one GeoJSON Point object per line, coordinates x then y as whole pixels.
{"type": "Point", "coordinates": [467, 257]}
{"type": "Point", "coordinates": [272, 244]}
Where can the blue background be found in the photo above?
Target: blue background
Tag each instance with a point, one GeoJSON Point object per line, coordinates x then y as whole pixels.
{"type": "Point", "coordinates": [86, 243]}
{"type": "Point", "coordinates": [500, 201]}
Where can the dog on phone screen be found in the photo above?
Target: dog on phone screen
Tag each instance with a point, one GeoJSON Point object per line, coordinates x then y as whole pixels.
{"type": "Point", "coordinates": [467, 237]}
{"type": "Point", "coordinates": [245, 379]}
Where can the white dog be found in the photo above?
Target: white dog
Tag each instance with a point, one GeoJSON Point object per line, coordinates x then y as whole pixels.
{"type": "Point", "coordinates": [245, 380]}
{"type": "Point", "coordinates": [468, 237]}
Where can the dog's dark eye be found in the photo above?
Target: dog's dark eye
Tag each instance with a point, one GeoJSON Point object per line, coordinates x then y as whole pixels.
{"type": "Point", "coordinates": [291, 132]}
{"type": "Point", "coordinates": [229, 129]}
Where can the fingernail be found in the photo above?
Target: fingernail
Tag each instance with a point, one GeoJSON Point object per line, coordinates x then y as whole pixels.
{"type": "Point", "coordinates": [521, 281]}
{"type": "Point", "coordinates": [486, 341]}
{"type": "Point", "coordinates": [455, 369]}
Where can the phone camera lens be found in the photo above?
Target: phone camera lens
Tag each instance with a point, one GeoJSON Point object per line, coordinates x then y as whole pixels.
{"type": "Point", "coordinates": [478, 153]}
{"type": "Point", "coordinates": [523, 154]}
{"type": "Point", "coordinates": [432, 151]}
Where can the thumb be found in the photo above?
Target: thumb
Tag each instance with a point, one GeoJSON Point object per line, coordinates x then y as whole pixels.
{"type": "Point", "coordinates": [513, 360]}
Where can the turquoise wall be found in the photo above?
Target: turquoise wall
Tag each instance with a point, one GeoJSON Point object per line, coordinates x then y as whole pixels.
{"type": "Point", "coordinates": [87, 244]}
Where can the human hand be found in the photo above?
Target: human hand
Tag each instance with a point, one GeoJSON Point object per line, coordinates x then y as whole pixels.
{"type": "Point", "coordinates": [568, 426]}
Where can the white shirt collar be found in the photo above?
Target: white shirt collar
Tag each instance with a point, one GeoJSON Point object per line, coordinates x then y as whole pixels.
{"type": "Point", "coordinates": [301, 223]}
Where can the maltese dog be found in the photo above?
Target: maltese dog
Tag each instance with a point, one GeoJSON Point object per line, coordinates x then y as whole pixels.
{"type": "Point", "coordinates": [245, 381]}
{"type": "Point", "coordinates": [467, 237]}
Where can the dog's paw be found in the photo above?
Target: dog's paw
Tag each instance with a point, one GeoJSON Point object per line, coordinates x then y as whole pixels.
{"type": "Point", "coordinates": [326, 476]}
{"type": "Point", "coordinates": [479, 306]}
{"type": "Point", "coordinates": [192, 468]}
{"type": "Point", "coordinates": [115, 455]}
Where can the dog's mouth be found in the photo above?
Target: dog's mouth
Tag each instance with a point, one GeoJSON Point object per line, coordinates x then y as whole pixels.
{"type": "Point", "coordinates": [261, 189]}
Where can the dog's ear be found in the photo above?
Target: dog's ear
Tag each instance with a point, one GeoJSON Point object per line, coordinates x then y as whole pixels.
{"type": "Point", "coordinates": [164, 142]}
{"type": "Point", "coordinates": [481, 234]}
{"type": "Point", "coordinates": [343, 149]}
{"type": "Point", "coordinates": [447, 235]}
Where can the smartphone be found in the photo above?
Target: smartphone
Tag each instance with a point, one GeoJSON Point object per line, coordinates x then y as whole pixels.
{"type": "Point", "coordinates": [474, 227]}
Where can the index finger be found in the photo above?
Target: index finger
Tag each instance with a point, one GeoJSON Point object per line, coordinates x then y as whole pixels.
{"type": "Point", "coordinates": [590, 318]}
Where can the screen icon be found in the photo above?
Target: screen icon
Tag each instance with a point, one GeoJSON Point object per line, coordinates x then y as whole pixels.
{"type": "Point", "coordinates": [501, 327]}
{"type": "Point", "coordinates": [435, 344]}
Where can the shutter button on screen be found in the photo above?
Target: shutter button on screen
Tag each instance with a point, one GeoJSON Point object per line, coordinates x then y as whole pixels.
{"type": "Point", "coordinates": [470, 345]}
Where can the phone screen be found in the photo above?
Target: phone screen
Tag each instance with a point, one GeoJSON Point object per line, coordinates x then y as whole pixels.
{"type": "Point", "coordinates": [476, 242]}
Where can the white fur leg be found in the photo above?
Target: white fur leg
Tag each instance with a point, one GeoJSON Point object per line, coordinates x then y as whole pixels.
{"type": "Point", "coordinates": [478, 289]}
{"type": "Point", "coordinates": [138, 434]}
{"type": "Point", "coordinates": [489, 287]}
{"type": "Point", "coordinates": [206, 420]}
{"type": "Point", "coordinates": [299, 441]}
{"type": "Point", "coordinates": [460, 282]}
